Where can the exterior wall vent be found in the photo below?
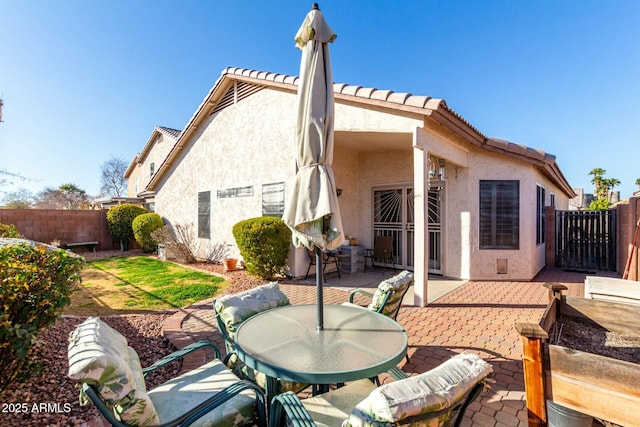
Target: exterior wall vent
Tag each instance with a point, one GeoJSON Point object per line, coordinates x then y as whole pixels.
{"type": "Point", "coordinates": [236, 93]}
{"type": "Point", "coordinates": [502, 266]}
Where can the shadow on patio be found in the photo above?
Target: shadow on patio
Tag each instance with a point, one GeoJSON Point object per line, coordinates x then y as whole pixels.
{"type": "Point", "coordinates": [478, 317]}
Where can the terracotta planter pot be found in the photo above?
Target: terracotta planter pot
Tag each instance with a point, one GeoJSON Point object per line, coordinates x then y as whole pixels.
{"type": "Point", "coordinates": [229, 264]}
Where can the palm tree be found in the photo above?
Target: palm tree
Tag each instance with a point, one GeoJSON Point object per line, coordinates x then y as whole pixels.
{"type": "Point", "coordinates": [609, 184]}
{"type": "Point", "coordinates": [638, 183]}
{"type": "Point", "coordinates": [598, 174]}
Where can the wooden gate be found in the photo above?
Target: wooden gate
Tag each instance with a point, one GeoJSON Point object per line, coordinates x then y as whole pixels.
{"type": "Point", "coordinates": [586, 240]}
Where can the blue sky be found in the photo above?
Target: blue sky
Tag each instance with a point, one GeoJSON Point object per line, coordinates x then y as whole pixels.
{"type": "Point", "coordinates": [83, 81]}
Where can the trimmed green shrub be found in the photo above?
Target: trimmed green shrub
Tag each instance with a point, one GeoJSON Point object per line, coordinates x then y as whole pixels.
{"type": "Point", "coordinates": [9, 230]}
{"type": "Point", "coordinates": [264, 244]}
{"type": "Point", "coordinates": [143, 225]}
{"type": "Point", "coordinates": [119, 220]}
{"type": "Point", "coordinates": [36, 283]}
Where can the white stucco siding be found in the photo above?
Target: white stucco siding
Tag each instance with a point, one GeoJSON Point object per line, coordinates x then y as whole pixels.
{"type": "Point", "coordinates": [380, 169]}
{"type": "Point", "coordinates": [135, 182]}
{"type": "Point", "coordinates": [456, 204]}
{"type": "Point", "coordinates": [156, 155]}
{"type": "Point", "coordinates": [561, 203]}
{"type": "Point", "coordinates": [245, 145]}
{"type": "Point", "coordinates": [457, 227]}
{"type": "Point", "coordinates": [346, 170]}
{"type": "Point", "coordinates": [356, 118]}
{"type": "Point", "coordinates": [523, 263]}
{"type": "Point", "coordinates": [490, 166]}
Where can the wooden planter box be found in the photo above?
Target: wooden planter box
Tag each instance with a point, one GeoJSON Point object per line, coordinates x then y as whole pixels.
{"type": "Point", "coordinates": [600, 386]}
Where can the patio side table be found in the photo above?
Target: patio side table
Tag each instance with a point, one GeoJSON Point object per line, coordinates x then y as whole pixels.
{"type": "Point", "coordinates": [355, 343]}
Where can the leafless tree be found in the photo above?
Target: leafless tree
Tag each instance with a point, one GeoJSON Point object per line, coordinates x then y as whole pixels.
{"type": "Point", "coordinates": [20, 199]}
{"type": "Point", "coordinates": [67, 196]}
{"type": "Point", "coordinates": [113, 182]}
{"type": "Point", "coordinates": [7, 177]}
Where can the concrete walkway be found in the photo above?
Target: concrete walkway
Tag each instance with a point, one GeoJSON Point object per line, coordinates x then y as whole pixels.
{"type": "Point", "coordinates": [475, 316]}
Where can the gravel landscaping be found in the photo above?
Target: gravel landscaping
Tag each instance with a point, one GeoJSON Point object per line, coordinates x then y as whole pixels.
{"type": "Point", "coordinates": [50, 398]}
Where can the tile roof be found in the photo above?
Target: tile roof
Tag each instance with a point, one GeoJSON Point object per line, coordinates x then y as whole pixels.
{"type": "Point", "coordinates": [173, 133]}
{"type": "Point", "coordinates": [436, 109]}
{"type": "Point", "coordinates": [364, 93]}
{"type": "Point", "coordinates": [520, 149]}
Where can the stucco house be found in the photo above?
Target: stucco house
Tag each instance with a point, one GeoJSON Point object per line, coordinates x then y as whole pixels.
{"type": "Point", "coordinates": [457, 203]}
{"type": "Point", "coordinates": [146, 163]}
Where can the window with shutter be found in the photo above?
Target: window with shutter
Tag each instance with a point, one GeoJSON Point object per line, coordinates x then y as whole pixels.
{"type": "Point", "coordinates": [499, 214]}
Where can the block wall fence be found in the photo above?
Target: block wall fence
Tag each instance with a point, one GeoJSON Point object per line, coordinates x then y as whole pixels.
{"type": "Point", "coordinates": [628, 216]}
{"type": "Point", "coordinates": [67, 226]}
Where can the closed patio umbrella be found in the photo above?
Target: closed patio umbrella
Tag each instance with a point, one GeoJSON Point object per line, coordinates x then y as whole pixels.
{"type": "Point", "coordinates": [312, 211]}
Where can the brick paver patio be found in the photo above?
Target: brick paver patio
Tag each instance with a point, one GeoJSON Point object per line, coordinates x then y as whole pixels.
{"type": "Point", "coordinates": [478, 317]}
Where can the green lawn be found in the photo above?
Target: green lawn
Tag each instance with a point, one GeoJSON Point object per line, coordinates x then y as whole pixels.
{"type": "Point", "coordinates": [130, 284]}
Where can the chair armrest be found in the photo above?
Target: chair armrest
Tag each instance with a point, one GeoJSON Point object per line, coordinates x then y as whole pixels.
{"type": "Point", "coordinates": [288, 405]}
{"type": "Point", "coordinates": [397, 373]}
{"type": "Point", "coordinates": [190, 416]}
{"type": "Point", "coordinates": [179, 354]}
{"type": "Point", "coordinates": [221, 397]}
{"type": "Point", "coordinates": [90, 393]}
{"type": "Point", "coordinates": [353, 293]}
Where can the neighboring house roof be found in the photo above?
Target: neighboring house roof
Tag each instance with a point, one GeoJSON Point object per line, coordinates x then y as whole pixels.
{"type": "Point", "coordinates": [174, 134]}
{"type": "Point", "coordinates": [115, 201]}
{"type": "Point", "coordinates": [250, 81]}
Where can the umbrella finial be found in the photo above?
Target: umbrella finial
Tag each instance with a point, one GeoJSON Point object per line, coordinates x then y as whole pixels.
{"type": "Point", "coordinates": [315, 7]}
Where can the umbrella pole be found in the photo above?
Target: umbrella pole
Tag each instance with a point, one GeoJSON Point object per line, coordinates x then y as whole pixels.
{"type": "Point", "coordinates": [319, 283]}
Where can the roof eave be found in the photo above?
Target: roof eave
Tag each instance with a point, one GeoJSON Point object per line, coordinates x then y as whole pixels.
{"type": "Point", "coordinates": [435, 110]}
{"type": "Point", "coordinates": [202, 112]}
{"type": "Point", "coordinates": [152, 139]}
{"type": "Point", "coordinates": [131, 167]}
{"type": "Point", "coordinates": [540, 159]}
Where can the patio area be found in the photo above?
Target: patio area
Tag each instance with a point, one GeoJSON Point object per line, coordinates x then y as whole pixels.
{"type": "Point", "coordinates": [477, 317]}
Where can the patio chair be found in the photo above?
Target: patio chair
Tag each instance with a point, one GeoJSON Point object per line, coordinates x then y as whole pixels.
{"type": "Point", "coordinates": [328, 258]}
{"type": "Point", "coordinates": [387, 298]}
{"type": "Point", "coordinates": [437, 397]}
{"type": "Point", "coordinates": [111, 377]}
{"type": "Point", "coordinates": [382, 252]}
{"type": "Point", "coordinates": [231, 310]}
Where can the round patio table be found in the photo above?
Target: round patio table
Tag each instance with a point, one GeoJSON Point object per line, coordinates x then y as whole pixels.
{"type": "Point", "coordinates": [355, 343]}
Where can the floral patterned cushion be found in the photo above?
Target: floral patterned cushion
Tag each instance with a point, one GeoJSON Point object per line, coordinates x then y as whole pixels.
{"type": "Point", "coordinates": [432, 391]}
{"type": "Point", "coordinates": [235, 309]}
{"type": "Point", "coordinates": [100, 356]}
{"type": "Point", "coordinates": [398, 283]}
{"type": "Point", "coordinates": [136, 408]}
{"type": "Point", "coordinates": [239, 368]}
{"type": "Point", "coordinates": [96, 355]}
{"type": "Point", "coordinates": [177, 396]}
